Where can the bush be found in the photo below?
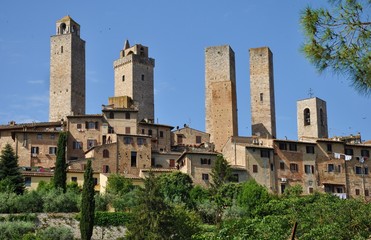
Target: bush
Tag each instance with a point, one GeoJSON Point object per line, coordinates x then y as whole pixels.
{"type": "Point", "coordinates": [56, 233]}
{"type": "Point", "coordinates": [57, 201]}
{"type": "Point", "coordinates": [101, 202]}
{"type": "Point", "coordinates": [29, 217]}
{"type": "Point", "coordinates": [104, 219]}
{"type": "Point", "coordinates": [15, 230]}
{"type": "Point", "coordinates": [8, 202]}
{"type": "Point", "coordinates": [29, 202]}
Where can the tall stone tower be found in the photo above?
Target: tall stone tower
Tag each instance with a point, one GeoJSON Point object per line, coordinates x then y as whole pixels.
{"type": "Point", "coordinates": [312, 118]}
{"type": "Point", "coordinates": [221, 103]}
{"type": "Point", "coordinates": [134, 78]}
{"type": "Point", "coordinates": [67, 71]}
{"type": "Point", "coordinates": [263, 116]}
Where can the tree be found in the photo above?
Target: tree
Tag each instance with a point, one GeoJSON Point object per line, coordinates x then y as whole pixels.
{"type": "Point", "coordinates": [87, 204]}
{"type": "Point", "coordinates": [221, 172]}
{"type": "Point", "coordinates": [119, 185]}
{"type": "Point", "coordinates": [60, 175]}
{"type": "Point", "coordinates": [10, 177]}
{"type": "Point", "coordinates": [340, 40]}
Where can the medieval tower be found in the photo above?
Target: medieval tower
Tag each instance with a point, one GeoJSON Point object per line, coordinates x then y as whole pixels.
{"type": "Point", "coordinates": [312, 118]}
{"type": "Point", "coordinates": [263, 116]}
{"type": "Point", "coordinates": [67, 71]}
{"type": "Point", "coordinates": [134, 78]}
{"type": "Point", "coordinates": [220, 99]}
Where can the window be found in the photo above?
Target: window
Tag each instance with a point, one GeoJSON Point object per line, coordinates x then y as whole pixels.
{"type": "Point", "coordinates": [142, 77]}
{"type": "Point", "coordinates": [61, 49]}
{"type": "Point", "coordinates": [306, 117]}
{"type": "Point", "coordinates": [348, 151]}
{"type": "Point", "coordinates": [309, 169]}
{"type": "Point", "coordinates": [282, 165]}
{"type": "Point", "coordinates": [272, 167]}
{"type": "Point", "coordinates": [105, 153]}
{"type": "Point", "coordinates": [205, 161]}
{"type": "Point", "coordinates": [264, 153]}
{"type": "Point", "coordinates": [111, 129]}
{"type": "Point", "coordinates": [294, 167]}
{"type": "Point", "coordinates": [133, 159]}
{"type": "Point", "coordinates": [123, 78]}
{"type": "Point", "coordinates": [111, 115]}
{"type": "Point", "coordinates": [367, 193]}
{"type": "Point", "coordinates": [338, 168]}
{"type": "Point", "coordinates": [261, 97]}
{"type": "Point", "coordinates": [73, 179]}
{"type": "Point", "coordinates": [283, 187]}
{"type": "Point", "coordinates": [52, 150]}
{"type": "Point", "coordinates": [95, 181]}
{"type": "Point", "coordinates": [366, 170]}
{"type": "Point", "coordinates": [254, 168]}
{"type": "Point", "coordinates": [179, 139]}
{"type": "Point", "coordinates": [127, 130]}
{"type": "Point", "coordinates": [358, 170]}
{"type": "Point", "coordinates": [293, 147]}
{"type": "Point", "coordinates": [34, 150]}
{"type": "Point", "coordinates": [127, 115]}
{"type": "Point", "coordinates": [357, 192]}
{"type": "Point", "coordinates": [52, 136]}
{"type": "Point", "coordinates": [27, 181]}
{"type": "Point", "coordinates": [128, 140]}
{"type": "Point", "coordinates": [39, 136]}
{"type": "Point", "coordinates": [161, 134]}
{"type": "Point", "coordinates": [330, 168]}
{"type": "Point", "coordinates": [365, 153]}
{"type": "Point", "coordinates": [282, 146]}
{"type": "Point", "coordinates": [91, 143]}
{"type": "Point", "coordinates": [198, 139]}
{"type": "Point", "coordinates": [150, 132]}
{"type": "Point", "coordinates": [329, 147]}
{"type": "Point", "coordinates": [310, 149]}
{"type": "Point", "coordinates": [78, 126]}
{"type": "Point", "coordinates": [171, 163]}
{"type": "Point", "coordinates": [141, 141]}
{"type": "Point", "coordinates": [91, 125]}
{"type": "Point", "coordinates": [77, 145]}
{"type": "Point", "coordinates": [105, 168]}
{"type": "Point", "coordinates": [143, 131]}
{"type": "Point", "coordinates": [321, 118]}
{"type": "Point", "coordinates": [310, 190]}
{"type": "Point", "coordinates": [236, 178]}
{"type": "Point", "coordinates": [205, 177]}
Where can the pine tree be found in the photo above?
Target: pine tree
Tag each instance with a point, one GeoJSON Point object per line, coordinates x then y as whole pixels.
{"type": "Point", "coordinates": [221, 172]}
{"type": "Point", "coordinates": [9, 171]}
{"type": "Point", "coordinates": [87, 204]}
{"type": "Point", "coordinates": [60, 175]}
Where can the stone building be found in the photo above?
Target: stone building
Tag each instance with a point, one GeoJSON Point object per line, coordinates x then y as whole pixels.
{"type": "Point", "coordinates": [263, 113]}
{"type": "Point", "coordinates": [220, 95]}
{"type": "Point", "coordinates": [187, 136]}
{"type": "Point", "coordinates": [67, 71]}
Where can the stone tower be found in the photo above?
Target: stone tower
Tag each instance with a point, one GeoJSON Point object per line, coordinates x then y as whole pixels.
{"type": "Point", "coordinates": [312, 118]}
{"type": "Point", "coordinates": [134, 78]}
{"type": "Point", "coordinates": [263, 116]}
{"type": "Point", "coordinates": [67, 71]}
{"type": "Point", "coordinates": [220, 99]}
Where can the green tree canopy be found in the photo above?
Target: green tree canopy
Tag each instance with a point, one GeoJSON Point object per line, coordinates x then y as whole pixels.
{"type": "Point", "coordinates": [60, 174]}
{"type": "Point", "coordinates": [11, 178]}
{"type": "Point", "coordinates": [119, 185]}
{"type": "Point", "coordinates": [340, 39]}
{"type": "Point", "coordinates": [176, 187]}
{"type": "Point", "coordinates": [221, 172]}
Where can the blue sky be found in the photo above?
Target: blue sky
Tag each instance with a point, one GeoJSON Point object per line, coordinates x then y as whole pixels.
{"type": "Point", "coordinates": [176, 32]}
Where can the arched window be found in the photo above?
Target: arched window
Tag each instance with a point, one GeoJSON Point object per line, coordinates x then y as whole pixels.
{"type": "Point", "coordinates": [306, 117]}
{"type": "Point", "coordinates": [63, 28]}
{"type": "Point", "coordinates": [105, 153]}
{"type": "Point", "coordinates": [322, 120]}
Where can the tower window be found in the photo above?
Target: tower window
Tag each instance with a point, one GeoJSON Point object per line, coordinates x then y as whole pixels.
{"type": "Point", "coordinates": [261, 97]}
{"type": "Point", "coordinates": [61, 49]}
{"type": "Point", "coordinates": [306, 117]}
{"type": "Point", "coordinates": [142, 77]}
{"type": "Point", "coordinates": [105, 153]}
{"type": "Point", "coordinates": [321, 117]}
{"type": "Point", "coordinates": [123, 78]}
{"type": "Point", "coordinates": [133, 162]}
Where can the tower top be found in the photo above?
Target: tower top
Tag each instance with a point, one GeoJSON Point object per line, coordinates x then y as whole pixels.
{"type": "Point", "coordinates": [67, 25]}
{"type": "Point", "coordinates": [126, 44]}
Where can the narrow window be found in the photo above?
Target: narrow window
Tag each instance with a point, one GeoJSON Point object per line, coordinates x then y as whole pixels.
{"type": "Point", "coordinates": [105, 153]}
{"type": "Point", "coordinates": [143, 131]}
{"type": "Point", "coordinates": [127, 115]}
{"type": "Point", "coordinates": [180, 139]}
{"type": "Point", "coordinates": [133, 159]}
{"type": "Point", "coordinates": [95, 180]}
{"type": "Point", "coordinates": [282, 165]}
{"type": "Point", "coordinates": [329, 147]}
{"type": "Point", "coordinates": [367, 193]}
{"type": "Point", "coordinates": [61, 49]}
{"type": "Point", "coordinates": [205, 177]}
{"type": "Point", "coordinates": [111, 115]}
{"type": "Point", "coordinates": [127, 130]}
{"type": "Point", "coordinates": [283, 187]}
{"type": "Point", "coordinates": [172, 163]}
{"type": "Point", "coordinates": [105, 168]}
{"type": "Point", "coordinates": [198, 139]}
{"type": "Point", "coordinates": [123, 78]}
{"type": "Point", "coordinates": [142, 77]}
{"type": "Point", "coordinates": [357, 192]}
{"type": "Point", "coordinates": [161, 134]}
{"type": "Point", "coordinates": [306, 117]}
{"type": "Point", "coordinates": [272, 167]}
{"type": "Point", "coordinates": [261, 97]}
{"type": "Point", "coordinates": [366, 170]}
{"type": "Point", "coordinates": [150, 132]}
{"type": "Point", "coordinates": [27, 181]}
{"type": "Point", "coordinates": [254, 168]}
{"type": "Point", "coordinates": [322, 121]}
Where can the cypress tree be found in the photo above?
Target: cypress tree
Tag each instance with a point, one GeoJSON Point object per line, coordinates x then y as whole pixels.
{"type": "Point", "coordinates": [9, 171]}
{"type": "Point", "coordinates": [87, 204]}
{"type": "Point", "coordinates": [60, 175]}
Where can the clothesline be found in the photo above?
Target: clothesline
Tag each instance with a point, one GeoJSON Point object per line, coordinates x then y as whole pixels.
{"type": "Point", "coordinates": [349, 157]}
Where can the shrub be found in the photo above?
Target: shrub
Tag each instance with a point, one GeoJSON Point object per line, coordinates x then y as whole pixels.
{"type": "Point", "coordinates": [7, 202]}
{"type": "Point", "coordinates": [30, 202]}
{"type": "Point", "coordinates": [56, 233]}
{"type": "Point", "coordinates": [15, 230]}
{"type": "Point", "coordinates": [57, 201]}
{"type": "Point", "coordinates": [101, 202]}
{"type": "Point", "coordinates": [29, 217]}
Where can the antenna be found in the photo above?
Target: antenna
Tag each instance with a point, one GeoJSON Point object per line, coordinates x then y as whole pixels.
{"type": "Point", "coordinates": [310, 93]}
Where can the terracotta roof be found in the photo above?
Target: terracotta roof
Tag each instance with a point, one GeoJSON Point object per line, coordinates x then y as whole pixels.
{"type": "Point", "coordinates": [34, 124]}
{"type": "Point", "coordinates": [37, 174]}
{"type": "Point", "coordinates": [159, 169]}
